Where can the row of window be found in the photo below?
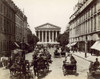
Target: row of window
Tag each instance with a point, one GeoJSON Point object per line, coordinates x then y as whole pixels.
{"type": "Point", "coordinates": [18, 33]}
{"type": "Point", "coordinates": [85, 16]}
{"type": "Point", "coordinates": [87, 27]}
{"type": "Point", "coordinates": [4, 45]}
{"type": "Point", "coordinates": [6, 25]}
{"type": "Point", "coordinates": [86, 22]}
{"type": "Point", "coordinates": [19, 21]}
{"type": "Point", "coordinates": [6, 11]}
{"type": "Point", "coordinates": [9, 27]}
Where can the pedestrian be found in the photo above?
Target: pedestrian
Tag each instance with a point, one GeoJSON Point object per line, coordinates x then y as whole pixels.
{"type": "Point", "coordinates": [96, 64]}
{"type": "Point", "coordinates": [23, 54]}
{"type": "Point", "coordinates": [91, 51]}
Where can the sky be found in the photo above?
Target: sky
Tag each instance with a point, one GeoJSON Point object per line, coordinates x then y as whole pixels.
{"type": "Point", "coordinates": [39, 12]}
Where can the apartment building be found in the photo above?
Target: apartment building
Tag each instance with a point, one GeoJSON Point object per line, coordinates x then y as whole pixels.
{"type": "Point", "coordinates": [84, 24]}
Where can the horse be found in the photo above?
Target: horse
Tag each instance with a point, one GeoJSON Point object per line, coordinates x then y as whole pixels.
{"type": "Point", "coordinates": [4, 61]}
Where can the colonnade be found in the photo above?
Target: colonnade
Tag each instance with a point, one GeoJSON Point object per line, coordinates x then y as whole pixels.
{"type": "Point", "coordinates": [47, 36]}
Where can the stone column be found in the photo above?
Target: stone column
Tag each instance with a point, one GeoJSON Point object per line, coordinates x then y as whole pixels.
{"type": "Point", "coordinates": [57, 33]}
{"type": "Point", "coordinates": [56, 36]}
{"type": "Point", "coordinates": [49, 37]}
{"type": "Point", "coordinates": [45, 36]}
{"type": "Point", "coordinates": [52, 36]}
{"type": "Point", "coordinates": [42, 36]}
{"type": "Point", "coordinates": [86, 46]}
{"type": "Point", "coordinates": [39, 35]}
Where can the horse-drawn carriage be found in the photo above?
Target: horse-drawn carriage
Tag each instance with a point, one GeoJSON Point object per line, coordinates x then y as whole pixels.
{"type": "Point", "coordinates": [41, 62]}
{"type": "Point", "coordinates": [63, 53]}
{"type": "Point", "coordinates": [69, 66]}
{"type": "Point", "coordinates": [42, 66]}
{"type": "Point", "coordinates": [69, 69]}
{"type": "Point", "coordinates": [56, 54]}
{"type": "Point", "coordinates": [18, 66]}
{"type": "Point", "coordinates": [94, 72]}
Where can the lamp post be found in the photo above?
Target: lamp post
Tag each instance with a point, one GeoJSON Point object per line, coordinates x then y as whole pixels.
{"type": "Point", "coordinates": [23, 45]}
{"type": "Point", "coordinates": [86, 47]}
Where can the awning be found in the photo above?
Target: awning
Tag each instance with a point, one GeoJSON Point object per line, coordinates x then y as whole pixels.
{"type": "Point", "coordinates": [15, 51]}
{"type": "Point", "coordinates": [72, 44]}
{"type": "Point", "coordinates": [68, 45]}
{"type": "Point", "coordinates": [96, 45]}
{"type": "Point", "coordinates": [16, 44]}
{"type": "Point", "coordinates": [13, 45]}
{"type": "Point", "coordinates": [24, 45]}
{"type": "Point", "coordinates": [27, 44]}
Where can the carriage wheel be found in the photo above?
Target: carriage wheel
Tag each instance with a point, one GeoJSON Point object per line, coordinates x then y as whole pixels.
{"type": "Point", "coordinates": [89, 76]}
{"type": "Point", "coordinates": [64, 71]}
{"type": "Point", "coordinates": [38, 73]}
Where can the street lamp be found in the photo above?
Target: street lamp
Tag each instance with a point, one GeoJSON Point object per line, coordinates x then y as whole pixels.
{"type": "Point", "coordinates": [85, 46]}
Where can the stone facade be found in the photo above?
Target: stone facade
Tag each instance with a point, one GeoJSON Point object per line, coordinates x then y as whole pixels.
{"type": "Point", "coordinates": [47, 33]}
{"type": "Point", "coordinates": [13, 26]}
{"type": "Point", "coordinates": [7, 25]}
{"type": "Point", "coordinates": [21, 26]}
{"type": "Point", "coordinates": [84, 24]}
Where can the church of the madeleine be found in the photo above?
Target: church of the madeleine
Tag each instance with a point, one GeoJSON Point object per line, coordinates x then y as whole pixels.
{"type": "Point", "coordinates": [47, 33]}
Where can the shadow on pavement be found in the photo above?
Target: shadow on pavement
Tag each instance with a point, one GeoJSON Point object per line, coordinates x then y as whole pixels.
{"type": "Point", "coordinates": [44, 74]}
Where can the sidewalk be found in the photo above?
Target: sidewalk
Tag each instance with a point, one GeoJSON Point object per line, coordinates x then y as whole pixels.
{"type": "Point", "coordinates": [4, 73]}
{"type": "Point", "coordinates": [88, 58]}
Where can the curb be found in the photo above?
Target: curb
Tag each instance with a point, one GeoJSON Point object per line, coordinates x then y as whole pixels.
{"type": "Point", "coordinates": [82, 57]}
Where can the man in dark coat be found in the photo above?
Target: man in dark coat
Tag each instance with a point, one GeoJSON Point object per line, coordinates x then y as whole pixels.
{"type": "Point", "coordinates": [96, 64]}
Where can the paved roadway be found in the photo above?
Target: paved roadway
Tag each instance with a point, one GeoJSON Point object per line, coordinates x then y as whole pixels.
{"type": "Point", "coordinates": [4, 73]}
{"type": "Point", "coordinates": [56, 68]}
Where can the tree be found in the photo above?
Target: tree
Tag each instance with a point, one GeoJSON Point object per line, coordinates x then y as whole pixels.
{"type": "Point", "coordinates": [36, 39]}
{"type": "Point", "coordinates": [63, 39]}
{"type": "Point", "coordinates": [29, 36]}
{"type": "Point", "coordinates": [33, 40]}
{"type": "Point", "coordinates": [58, 38]}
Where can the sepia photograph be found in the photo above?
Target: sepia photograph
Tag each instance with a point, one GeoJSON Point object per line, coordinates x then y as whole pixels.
{"type": "Point", "coordinates": [49, 39]}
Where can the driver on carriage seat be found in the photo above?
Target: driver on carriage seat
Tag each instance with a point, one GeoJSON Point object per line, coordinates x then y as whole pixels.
{"type": "Point", "coordinates": [56, 51]}
{"type": "Point", "coordinates": [69, 59]}
{"type": "Point", "coordinates": [41, 60]}
{"type": "Point", "coordinates": [96, 64]}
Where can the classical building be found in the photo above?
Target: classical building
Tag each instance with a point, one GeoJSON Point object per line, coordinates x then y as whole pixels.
{"type": "Point", "coordinates": [85, 24]}
{"type": "Point", "coordinates": [47, 33]}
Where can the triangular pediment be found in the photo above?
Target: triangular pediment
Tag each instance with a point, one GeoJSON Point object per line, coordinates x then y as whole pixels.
{"type": "Point", "coordinates": [47, 25]}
